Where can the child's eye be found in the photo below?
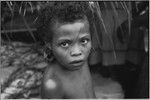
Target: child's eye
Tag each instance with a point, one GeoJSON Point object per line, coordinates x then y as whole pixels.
{"type": "Point", "coordinates": [84, 41]}
{"type": "Point", "coordinates": [64, 44]}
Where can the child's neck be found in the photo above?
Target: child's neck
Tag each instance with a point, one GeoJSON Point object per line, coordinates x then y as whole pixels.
{"type": "Point", "coordinates": [80, 70]}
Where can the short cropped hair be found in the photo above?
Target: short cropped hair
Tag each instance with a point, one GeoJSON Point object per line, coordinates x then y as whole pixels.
{"type": "Point", "coordinates": [63, 12]}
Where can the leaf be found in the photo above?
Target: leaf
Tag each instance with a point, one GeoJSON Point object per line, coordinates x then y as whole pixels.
{"type": "Point", "coordinates": [9, 5]}
{"type": "Point", "coordinates": [20, 8]}
{"type": "Point", "coordinates": [29, 29]}
{"type": "Point", "coordinates": [30, 3]}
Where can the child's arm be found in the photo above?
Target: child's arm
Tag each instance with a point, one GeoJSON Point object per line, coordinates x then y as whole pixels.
{"type": "Point", "coordinates": [51, 87]}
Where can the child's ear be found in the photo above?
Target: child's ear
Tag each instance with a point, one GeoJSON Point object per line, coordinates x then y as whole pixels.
{"type": "Point", "coordinates": [48, 52]}
{"type": "Point", "coordinates": [49, 45]}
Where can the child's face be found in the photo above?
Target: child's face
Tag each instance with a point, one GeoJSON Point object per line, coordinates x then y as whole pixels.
{"type": "Point", "coordinates": [71, 43]}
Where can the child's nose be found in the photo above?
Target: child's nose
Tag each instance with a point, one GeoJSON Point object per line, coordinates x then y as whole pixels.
{"type": "Point", "coordinates": [75, 51]}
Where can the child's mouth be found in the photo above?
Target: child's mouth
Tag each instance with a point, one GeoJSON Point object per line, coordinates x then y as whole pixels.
{"type": "Point", "coordinates": [77, 62]}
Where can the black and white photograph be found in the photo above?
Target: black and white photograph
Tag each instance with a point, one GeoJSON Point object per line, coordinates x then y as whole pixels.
{"type": "Point", "coordinates": [74, 49]}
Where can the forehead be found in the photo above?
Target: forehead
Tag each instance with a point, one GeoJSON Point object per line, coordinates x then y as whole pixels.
{"type": "Point", "coordinates": [69, 29]}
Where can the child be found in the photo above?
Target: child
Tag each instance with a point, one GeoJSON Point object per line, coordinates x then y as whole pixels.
{"type": "Point", "coordinates": [65, 27]}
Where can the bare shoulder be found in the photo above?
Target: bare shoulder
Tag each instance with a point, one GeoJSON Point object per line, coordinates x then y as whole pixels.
{"type": "Point", "coordinates": [51, 84]}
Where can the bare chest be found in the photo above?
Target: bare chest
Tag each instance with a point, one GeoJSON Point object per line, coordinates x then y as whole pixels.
{"type": "Point", "coordinates": [80, 87]}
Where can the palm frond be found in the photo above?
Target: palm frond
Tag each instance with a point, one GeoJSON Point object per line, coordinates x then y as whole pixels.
{"type": "Point", "coordinates": [31, 5]}
{"type": "Point", "coordinates": [9, 5]}
{"type": "Point", "coordinates": [104, 26]}
{"type": "Point", "coordinates": [29, 29]}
